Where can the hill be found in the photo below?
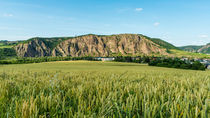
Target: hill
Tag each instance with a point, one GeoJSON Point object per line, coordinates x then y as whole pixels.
{"type": "Point", "coordinates": [94, 45]}
{"type": "Point", "coordinates": [90, 45]}
{"type": "Point", "coordinates": [190, 48]}
{"type": "Point", "coordinates": [199, 49]}
{"type": "Point", "coordinates": [162, 43]}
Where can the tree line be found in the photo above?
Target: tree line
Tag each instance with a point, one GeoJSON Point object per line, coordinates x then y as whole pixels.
{"type": "Point", "coordinates": [26, 60]}
{"type": "Point", "coordinates": [7, 52]}
{"type": "Point", "coordinates": [177, 63]}
{"type": "Point", "coordinates": [163, 62]}
{"type": "Point", "coordinates": [152, 61]}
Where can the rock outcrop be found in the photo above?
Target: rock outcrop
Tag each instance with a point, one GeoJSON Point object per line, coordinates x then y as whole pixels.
{"type": "Point", "coordinates": [92, 45]}
{"type": "Point", "coordinates": [34, 48]}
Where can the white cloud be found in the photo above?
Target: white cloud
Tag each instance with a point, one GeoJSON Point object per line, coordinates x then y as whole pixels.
{"type": "Point", "coordinates": [203, 36]}
{"type": "Point", "coordinates": [7, 15]}
{"type": "Point", "coordinates": [156, 24]}
{"type": "Point", "coordinates": [138, 9]}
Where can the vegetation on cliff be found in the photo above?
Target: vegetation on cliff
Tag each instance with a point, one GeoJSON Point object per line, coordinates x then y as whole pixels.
{"type": "Point", "coordinates": [162, 43]}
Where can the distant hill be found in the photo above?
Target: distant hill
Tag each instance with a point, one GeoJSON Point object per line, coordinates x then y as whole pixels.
{"type": "Point", "coordinates": [8, 44]}
{"type": "Point", "coordinates": [199, 49]}
{"type": "Point", "coordinates": [190, 48]}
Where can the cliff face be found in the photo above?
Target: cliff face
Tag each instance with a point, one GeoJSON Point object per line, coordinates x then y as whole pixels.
{"type": "Point", "coordinates": [107, 45]}
{"type": "Point", "coordinates": [93, 45]}
{"type": "Point", "coordinates": [34, 48]}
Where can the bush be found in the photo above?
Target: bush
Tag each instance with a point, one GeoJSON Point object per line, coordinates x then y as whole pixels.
{"type": "Point", "coordinates": [44, 59]}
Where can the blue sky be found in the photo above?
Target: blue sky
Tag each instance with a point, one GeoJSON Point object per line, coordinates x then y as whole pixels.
{"type": "Point", "coordinates": [181, 22]}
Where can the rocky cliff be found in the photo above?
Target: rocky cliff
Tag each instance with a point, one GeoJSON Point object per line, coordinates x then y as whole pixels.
{"type": "Point", "coordinates": [34, 48]}
{"type": "Point", "coordinates": [92, 45]}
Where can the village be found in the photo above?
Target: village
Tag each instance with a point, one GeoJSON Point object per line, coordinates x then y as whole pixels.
{"type": "Point", "coordinates": [205, 62]}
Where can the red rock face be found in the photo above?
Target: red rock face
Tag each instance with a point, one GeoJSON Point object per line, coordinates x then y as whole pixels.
{"type": "Point", "coordinates": [93, 45]}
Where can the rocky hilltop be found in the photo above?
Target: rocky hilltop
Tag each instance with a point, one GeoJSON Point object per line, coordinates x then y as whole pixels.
{"type": "Point", "coordinates": [91, 45]}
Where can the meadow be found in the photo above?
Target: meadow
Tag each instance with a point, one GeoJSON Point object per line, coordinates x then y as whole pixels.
{"type": "Point", "coordinates": [180, 53]}
{"type": "Point", "coordinates": [102, 89]}
{"type": "Point", "coordinates": [2, 45]}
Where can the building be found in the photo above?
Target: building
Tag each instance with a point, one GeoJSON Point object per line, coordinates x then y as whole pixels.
{"type": "Point", "coordinates": [207, 66]}
{"type": "Point", "coordinates": [184, 59]}
{"type": "Point", "coordinates": [105, 58]}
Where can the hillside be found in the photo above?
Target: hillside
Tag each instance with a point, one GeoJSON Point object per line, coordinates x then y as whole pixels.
{"type": "Point", "coordinates": [7, 50]}
{"type": "Point", "coordinates": [94, 45]}
{"type": "Point", "coordinates": [162, 43]}
{"type": "Point", "coordinates": [38, 47]}
{"type": "Point", "coordinates": [190, 48]}
{"type": "Point", "coordinates": [90, 45]}
{"type": "Point", "coordinates": [200, 49]}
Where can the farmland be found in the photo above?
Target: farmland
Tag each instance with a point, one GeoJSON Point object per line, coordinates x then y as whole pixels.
{"type": "Point", "coordinates": [102, 89]}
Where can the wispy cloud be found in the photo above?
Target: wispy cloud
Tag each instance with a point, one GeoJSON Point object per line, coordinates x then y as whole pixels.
{"type": "Point", "coordinates": [122, 10]}
{"type": "Point", "coordinates": [8, 15]}
{"type": "Point", "coordinates": [203, 36]}
{"type": "Point", "coordinates": [138, 9]}
{"type": "Point", "coordinates": [156, 24]}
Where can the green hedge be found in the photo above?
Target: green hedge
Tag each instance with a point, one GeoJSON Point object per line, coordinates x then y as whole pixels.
{"type": "Point", "coordinates": [44, 59]}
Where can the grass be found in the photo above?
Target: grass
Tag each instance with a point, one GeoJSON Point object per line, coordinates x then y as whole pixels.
{"type": "Point", "coordinates": [102, 89]}
{"type": "Point", "coordinates": [6, 46]}
{"type": "Point", "coordinates": [2, 45]}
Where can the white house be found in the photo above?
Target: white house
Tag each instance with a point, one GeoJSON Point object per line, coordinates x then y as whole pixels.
{"type": "Point", "coordinates": [105, 58]}
{"type": "Point", "coordinates": [208, 66]}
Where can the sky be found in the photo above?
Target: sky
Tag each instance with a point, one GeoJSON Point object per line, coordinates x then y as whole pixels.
{"type": "Point", "coordinates": [180, 22]}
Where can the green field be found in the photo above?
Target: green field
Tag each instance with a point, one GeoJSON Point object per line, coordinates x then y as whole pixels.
{"type": "Point", "coordinates": [7, 46]}
{"type": "Point", "coordinates": [102, 89]}
{"type": "Point", "coordinates": [2, 45]}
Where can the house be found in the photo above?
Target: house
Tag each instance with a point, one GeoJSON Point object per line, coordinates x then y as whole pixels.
{"type": "Point", "coordinates": [108, 59]}
{"type": "Point", "coordinates": [105, 58]}
{"type": "Point", "coordinates": [207, 66]}
{"type": "Point", "coordinates": [184, 59]}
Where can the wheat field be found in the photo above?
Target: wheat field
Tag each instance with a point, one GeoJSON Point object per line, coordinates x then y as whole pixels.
{"type": "Point", "coordinates": [102, 89]}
